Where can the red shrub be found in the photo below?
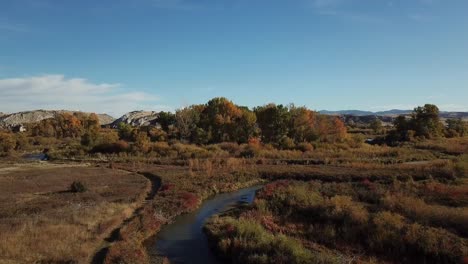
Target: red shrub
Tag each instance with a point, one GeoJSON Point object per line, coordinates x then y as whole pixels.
{"type": "Point", "coordinates": [189, 200]}
{"type": "Point", "coordinates": [167, 187]}
{"type": "Point", "coordinates": [368, 184]}
{"type": "Point", "coordinates": [230, 228]}
{"type": "Point", "coordinates": [125, 252]}
{"type": "Point", "coordinates": [271, 188]}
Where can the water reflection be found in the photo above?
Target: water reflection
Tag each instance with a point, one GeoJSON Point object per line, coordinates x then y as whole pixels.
{"type": "Point", "coordinates": [184, 241]}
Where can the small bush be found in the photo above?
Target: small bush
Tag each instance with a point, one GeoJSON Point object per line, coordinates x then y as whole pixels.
{"type": "Point", "coordinates": [77, 187]}
{"type": "Point", "coordinates": [230, 147]}
{"type": "Point", "coordinates": [108, 148]}
{"type": "Point", "coordinates": [304, 147]}
{"type": "Point", "coordinates": [287, 143]}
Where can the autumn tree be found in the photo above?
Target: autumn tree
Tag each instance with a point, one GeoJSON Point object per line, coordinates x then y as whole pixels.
{"type": "Point", "coordinates": [7, 143]}
{"type": "Point", "coordinates": [338, 130]}
{"type": "Point", "coordinates": [220, 119]}
{"type": "Point", "coordinates": [330, 128]}
{"type": "Point", "coordinates": [45, 128]}
{"type": "Point", "coordinates": [157, 134]}
{"type": "Point", "coordinates": [142, 142]}
{"type": "Point", "coordinates": [91, 123]}
{"type": "Point", "coordinates": [302, 127]}
{"type": "Point", "coordinates": [91, 128]}
{"type": "Point", "coordinates": [68, 125]}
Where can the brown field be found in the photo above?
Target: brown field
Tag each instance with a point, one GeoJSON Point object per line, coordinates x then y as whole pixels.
{"type": "Point", "coordinates": [41, 221]}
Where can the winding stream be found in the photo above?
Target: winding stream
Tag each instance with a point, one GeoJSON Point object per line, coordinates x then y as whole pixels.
{"type": "Point", "coordinates": [184, 241]}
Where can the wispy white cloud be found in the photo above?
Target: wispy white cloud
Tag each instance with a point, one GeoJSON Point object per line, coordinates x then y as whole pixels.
{"type": "Point", "coordinates": [12, 27]}
{"type": "Point", "coordinates": [59, 92]}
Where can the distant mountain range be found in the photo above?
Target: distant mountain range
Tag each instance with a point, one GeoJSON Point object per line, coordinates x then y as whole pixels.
{"type": "Point", "coordinates": [391, 113]}
{"type": "Point", "coordinates": [366, 113]}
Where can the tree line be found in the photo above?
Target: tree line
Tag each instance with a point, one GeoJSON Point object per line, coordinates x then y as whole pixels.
{"type": "Point", "coordinates": [425, 123]}
{"type": "Point", "coordinates": [220, 120]}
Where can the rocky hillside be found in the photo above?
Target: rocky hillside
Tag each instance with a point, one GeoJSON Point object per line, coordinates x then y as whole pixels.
{"type": "Point", "coordinates": [21, 118]}
{"type": "Point", "coordinates": [138, 118]}
{"type": "Point", "coordinates": [105, 119]}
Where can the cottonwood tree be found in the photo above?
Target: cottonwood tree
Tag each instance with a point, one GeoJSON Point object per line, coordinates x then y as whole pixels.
{"type": "Point", "coordinates": [376, 125]}
{"type": "Point", "coordinates": [166, 120]}
{"type": "Point", "coordinates": [456, 127]}
{"type": "Point", "coordinates": [246, 127]}
{"type": "Point", "coordinates": [303, 123]}
{"type": "Point", "coordinates": [91, 127]}
{"type": "Point", "coordinates": [7, 143]}
{"type": "Point", "coordinates": [426, 122]}
{"type": "Point", "coordinates": [220, 118]}
{"type": "Point", "coordinates": [186, 121]}
{"type": "Point", "coordinates": [273, 121]}
{"type": "Point", "coordinates": [125, 131]}
{"type": "Point", "coordinates": [142, 142]}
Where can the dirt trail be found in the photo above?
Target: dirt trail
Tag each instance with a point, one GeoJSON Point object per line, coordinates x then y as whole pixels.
{"type": "Point", "coordinates": [114, 235]}
{"type": "Point", "coordinates": [5, 169]}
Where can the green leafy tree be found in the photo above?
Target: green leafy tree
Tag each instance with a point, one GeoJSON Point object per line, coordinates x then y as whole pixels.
{"type": "Point", "coordinates": [247, 126]}
{"type": "Point", "coordinates": [166, 120]}
{"type": "Point", "coordinates": [186, 122]}
{"type": "Point", "coordinates": [273, 121]}
{"type": "Point", "coordinates": [426, 122]}
{"type": "Point", "coordinates": [376, 125]}
{"type": "Point", "coordinates": [125, 131]}
{"type": "Point", "coordinates": [456, 127]}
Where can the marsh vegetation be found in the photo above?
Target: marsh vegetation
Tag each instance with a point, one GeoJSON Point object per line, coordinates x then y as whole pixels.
{"type": "Point", "coordinates": [330, 196]}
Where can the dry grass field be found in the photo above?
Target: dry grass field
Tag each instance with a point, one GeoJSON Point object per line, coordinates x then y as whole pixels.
{"type": "Point", "coordinates": [42, 221]}
{"type": "Point", "coordinates": [130, 197]}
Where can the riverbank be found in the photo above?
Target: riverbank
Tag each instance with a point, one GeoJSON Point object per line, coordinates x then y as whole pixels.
{"type": "Point", "coordinates": [183, 241]}
{"type": "Point", "coordinates": [343, 222]}
{"type": "Point", "coordinates": [182, 191]}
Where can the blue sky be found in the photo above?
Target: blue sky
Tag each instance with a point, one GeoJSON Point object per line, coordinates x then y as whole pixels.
{"type": "Point", "coordinates": [116, 55]}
